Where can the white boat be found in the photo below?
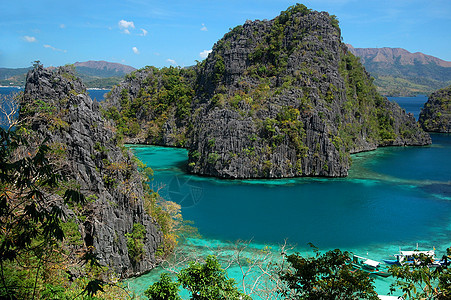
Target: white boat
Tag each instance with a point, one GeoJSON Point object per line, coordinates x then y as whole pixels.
{"type": "Point", "coordinates": [412, 258]}
{"type": "Point", "coordinates": [369, 266]}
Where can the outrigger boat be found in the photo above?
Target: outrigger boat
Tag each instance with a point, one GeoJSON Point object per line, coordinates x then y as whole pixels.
{"type": "Point", "coordinates": [411, 258]}
{"type": "Point", "coordinates": [369, 266]}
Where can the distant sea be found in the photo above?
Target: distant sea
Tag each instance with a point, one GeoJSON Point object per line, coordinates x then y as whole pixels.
{"type": "Point", "coordinates": [97, 94]}
{"type": "Point", "coordinates": [411, 104]}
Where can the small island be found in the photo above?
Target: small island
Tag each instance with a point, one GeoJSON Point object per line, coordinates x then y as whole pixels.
{"type": "Point", "coordinates": [436, 113]}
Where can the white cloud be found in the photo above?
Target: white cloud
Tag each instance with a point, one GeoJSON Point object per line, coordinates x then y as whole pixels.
{"type": "Point", "coordinates": [135, 50]}
{"type": "Point", "coordinates": [54, 49]}
{"type": "Point", "coordinates": [144, 32]}
{"type": "Point", "coordinates": [30, 39]}
{"type": "Point", "coordinates": [171, 61]}
{"type": "Point", "coordinates": [204, 53]}
{"type": "Point", "coordinates": [125, 26]}
{"type": "Point", "coordinates": [204, 28]}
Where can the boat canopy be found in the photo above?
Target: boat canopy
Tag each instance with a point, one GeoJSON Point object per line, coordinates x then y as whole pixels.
{"type": "Point", "coordinates": [411, 253]}
{"type": "Point", "coordinates": [367, 261]}
{"type": "Point", "coordinates": [371, 263]}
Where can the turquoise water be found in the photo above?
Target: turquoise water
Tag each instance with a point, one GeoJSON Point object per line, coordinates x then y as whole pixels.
{"type": "Point", "coordinates": [393, 198]}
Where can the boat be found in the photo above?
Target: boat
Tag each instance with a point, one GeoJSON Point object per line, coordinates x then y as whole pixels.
{"type": "Point", "coordinates": [369, 266]}
{"type": "Point", "coordinates": [412, 258]}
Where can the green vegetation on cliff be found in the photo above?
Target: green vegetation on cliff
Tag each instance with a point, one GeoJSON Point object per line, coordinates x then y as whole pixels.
{"type": "Point", "coordinates": [280, 98]}
{"type": "Point", "coordinates": [295, 62]}
{"type": "Point", "coordinates": [149, 98]}
{"type": "Point", "coordinates": [56, 243]}
{"type": "Point", "coordinates": [37, 235]}
{"type": "Point", "coordinates": [436, 113]}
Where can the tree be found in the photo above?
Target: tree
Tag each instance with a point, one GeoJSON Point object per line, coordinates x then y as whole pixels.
{"type": "Point", "coordinates": [205, 281]}
{"type": "Point", "coordinates": [421, 281]}
{"type": "Point", "coordinates": [32, 196]}
{"type": "Point", "coordinates": [325, 276]}
{"type": "Point", "coordinates": [165, 289]}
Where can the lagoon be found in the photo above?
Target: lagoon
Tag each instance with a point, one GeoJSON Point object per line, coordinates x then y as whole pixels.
{"type": "Point", "coordinates": [394, 197]}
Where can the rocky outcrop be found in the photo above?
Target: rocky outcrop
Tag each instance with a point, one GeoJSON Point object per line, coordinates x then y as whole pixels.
{"type": "Point", "coordinates": [277, 98]}
{"type": "Point", "coordinates": [57, 110]}
{"type": "Point", "coordinates": [436, 113]}
{"type": "Point", "coordinates": [285, 98]}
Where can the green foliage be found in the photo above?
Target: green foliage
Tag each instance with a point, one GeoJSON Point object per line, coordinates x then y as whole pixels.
{"type": "Point", "coordinates": [213, 157]}
{"type": "Point", "coordinates": [135, 242]}
{"type": "Point", "coordinates": [334, 21]}
{"type": "Point", "coordinates": [294, 9]}
{"type": "Point", "coordinates": [219, 68]}
{"type": "Point", "coordinates": [419, 281]}
{"type": "Point", "coordinates": [194, 154]}
{"type": "Point", "coordinates": [72, 232]}
{"type": "Point", "coordinates": [365, 110]}
{"type": "Point", "coordinates": [209, 281]}
{"type": "Point", "coordinates": [205, 281]}
{"type": "Point", "coordinates": [163, 92]}
{"type": "Point", "coordinates": [211, 143]}
{"type": "Point", "coordinates": [100, 83]}
{"type": "Point", "coordinates": [33, 237]}
{"type": "Point", "coordinates": [164, 289]}
{"type": "Point", "coordinates": [287, 114]}
{"type": "Point", "coordinates": [168, 216]}
{"type": "Point", "coordinates": [325, 276]}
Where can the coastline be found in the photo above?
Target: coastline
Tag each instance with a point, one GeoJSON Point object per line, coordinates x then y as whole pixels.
{"type": "Point", "coordinates": [22, 87]}
{"type": "Point", "coordinates": [12, 86]}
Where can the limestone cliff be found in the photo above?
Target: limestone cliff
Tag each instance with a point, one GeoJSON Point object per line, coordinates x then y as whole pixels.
{"type": "Point", "coordinates": [56, 109]}
{"type": "Point", "coordinates": [436, 113]}
{"type": "Point", "coordinates": [286, 98]}
{"type": "Point", "coordinates": [279, 98]}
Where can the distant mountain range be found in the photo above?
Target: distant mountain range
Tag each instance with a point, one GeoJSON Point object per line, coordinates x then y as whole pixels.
{"type": "Point", "coordinates": [398, 72]}
{"type": "Point", "coordinates": [102, 68]}
{"type": "Point", "coordinates": [95, 74]}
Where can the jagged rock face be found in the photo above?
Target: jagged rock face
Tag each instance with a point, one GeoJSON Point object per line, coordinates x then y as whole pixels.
{"type": "Point", "coordinates": [436, 113]}
{"type": "Point", "coordinates": [278, 98]}
{"type": "Point", "coordinates": [285, 98]}
{"type": "Point", "coordinates": [57, 109]}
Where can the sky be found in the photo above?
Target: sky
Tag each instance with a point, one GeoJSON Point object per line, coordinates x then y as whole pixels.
{"type": "Point", "coordinates": [158, 33]}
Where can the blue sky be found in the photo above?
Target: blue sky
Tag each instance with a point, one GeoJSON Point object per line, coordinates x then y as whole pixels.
{"type": "Point", "coordinates": [164, 33]}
